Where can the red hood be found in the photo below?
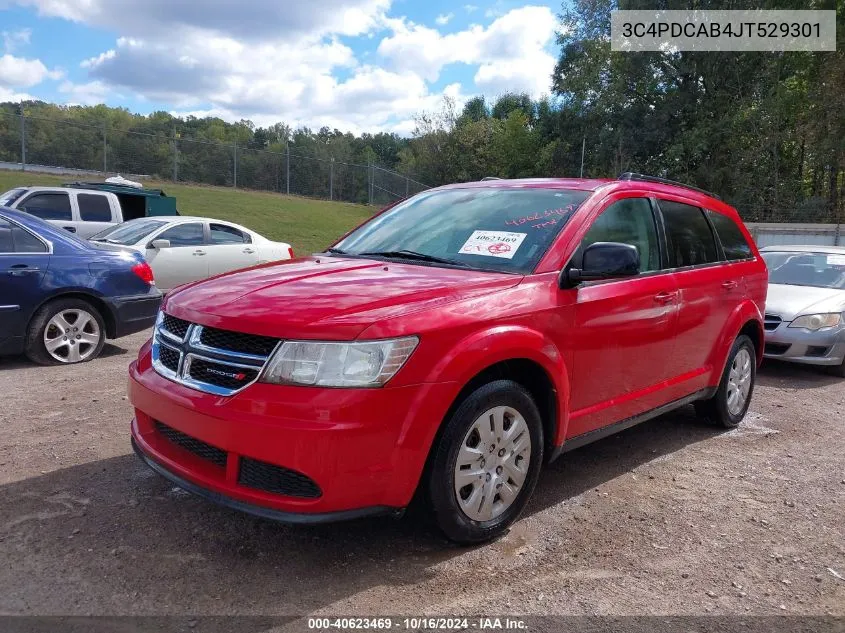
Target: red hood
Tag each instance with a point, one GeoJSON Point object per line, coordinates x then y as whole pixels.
{"type": "Point", "coordinates": [325, 297]}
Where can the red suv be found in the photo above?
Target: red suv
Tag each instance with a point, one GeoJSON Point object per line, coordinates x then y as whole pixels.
{"type": "Point", "coordinates": [450, 346]}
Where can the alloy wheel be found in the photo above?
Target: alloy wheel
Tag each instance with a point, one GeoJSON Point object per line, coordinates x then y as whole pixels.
{"type": "Point", "coordinates": [72, 336]}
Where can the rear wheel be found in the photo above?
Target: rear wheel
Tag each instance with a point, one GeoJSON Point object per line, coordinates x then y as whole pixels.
{"type": "Point", "coordinates": [64, 332]}
{"type": "Point", "coordinates": [733, 396]}
{"type": "Point", "coordinates": [486, 463]}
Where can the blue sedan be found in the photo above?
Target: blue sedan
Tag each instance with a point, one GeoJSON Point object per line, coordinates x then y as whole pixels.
{"type": "Point", "coordinates": [61, 297]}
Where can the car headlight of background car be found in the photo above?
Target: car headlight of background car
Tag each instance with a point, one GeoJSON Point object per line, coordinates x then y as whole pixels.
{"type": "Point", "coordinates": [817, 321]}
{"type": "Point", "coordinates": [332, 364]}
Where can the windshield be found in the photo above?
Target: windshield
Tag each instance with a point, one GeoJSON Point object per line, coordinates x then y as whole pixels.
{"type": "Point", "coordinates": [10, 196]}
{"type": "Point", "coordinates": [820, 270]}
{"type": "Point", "coordinates": [505, 230]}
{"type": "Point", "coordinates": [128, 233]}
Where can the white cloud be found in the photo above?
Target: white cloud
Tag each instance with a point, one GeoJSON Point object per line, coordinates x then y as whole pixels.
{"type": "Point", "coordinates": [511, 51]}
{"type": "Point", "coordinates": [14, 39]}
{"type": "Point", "coordinates": [470, 8]}
{"type": "Point", "coordinates": [9, 95]}
{"type": "Point", "coordinates": [273, 61]}
{"type": "Point", "coordinates": [20, 72]}
{"type": "Point", "coordinates": [89, 93]}
{"type": "Point", "coordinates": [255, 20]}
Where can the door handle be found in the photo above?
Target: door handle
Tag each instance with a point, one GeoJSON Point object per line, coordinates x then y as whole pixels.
{"type": "Point", "coordinates": [19, 270]}
{"type": "Point", "coordinates": [729, 285]}
{"type": "Point", "coordinates": [72, 229]}
{"type": "Point", "coordinates": [199, 253]}
{"type": "Point", "coordinates": [665, 297]}
{"type": "Point", "coordinates": [248, 250]}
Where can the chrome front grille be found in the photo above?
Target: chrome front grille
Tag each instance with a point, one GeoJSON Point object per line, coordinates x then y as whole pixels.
{"type": "Point", "coordinates": [771, 322]}
{"type": "Point", "coordinates": [216, 361]}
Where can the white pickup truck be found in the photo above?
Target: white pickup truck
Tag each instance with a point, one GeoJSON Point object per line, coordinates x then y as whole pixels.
{"type": "Point", "coordinates": [88, 208]}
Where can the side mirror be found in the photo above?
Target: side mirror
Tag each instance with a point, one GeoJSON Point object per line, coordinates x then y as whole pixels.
{"type": "Point", "coordinates": [603, 260]}
{"type": "Point", "coordinates": [159, 244]}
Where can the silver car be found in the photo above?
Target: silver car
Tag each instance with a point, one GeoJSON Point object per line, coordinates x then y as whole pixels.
{"type": "Point", "coordinates": [805, 309]}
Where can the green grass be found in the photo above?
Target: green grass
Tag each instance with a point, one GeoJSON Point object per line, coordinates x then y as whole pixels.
{"type": "Point", "coordinates": [308, 225]}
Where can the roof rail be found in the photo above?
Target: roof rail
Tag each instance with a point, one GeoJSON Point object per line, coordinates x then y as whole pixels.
{"type": "Point", "coordinates": [628, 175]}
{"type": "Point", "coordinates": [490, 178]}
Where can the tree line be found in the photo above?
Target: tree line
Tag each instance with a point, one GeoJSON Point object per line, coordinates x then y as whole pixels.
{"type": "Point", "coordinates": [765, 131]}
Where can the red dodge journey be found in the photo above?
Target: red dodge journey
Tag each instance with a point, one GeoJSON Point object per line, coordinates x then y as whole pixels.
{"type": "Point", "coordinates": [451, 346]}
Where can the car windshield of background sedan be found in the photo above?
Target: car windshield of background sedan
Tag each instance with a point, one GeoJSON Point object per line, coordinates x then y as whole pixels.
{"type": "Point", "coordinates": [820, 270]}
{"type": "Point", "coordinates": [128, 233]}
{"type": "Point", "coordinates": [497, 229]}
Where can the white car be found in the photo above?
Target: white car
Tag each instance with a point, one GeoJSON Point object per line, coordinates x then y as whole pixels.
{"type": "Point", "coordinates": [184, 249]}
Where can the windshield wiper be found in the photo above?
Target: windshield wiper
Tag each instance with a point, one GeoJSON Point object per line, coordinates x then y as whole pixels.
{"type": "Point", "coordinates": [336, 251]}
{"type": "Point", "coordinates": [406, 254]}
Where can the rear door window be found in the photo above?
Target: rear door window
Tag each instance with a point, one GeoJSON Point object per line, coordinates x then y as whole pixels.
{"type": "Point", "coordinates": [7, 245]}
{"type": "Point", "coordinates": [93, 207]}
{"type": "Point", "coordinates": [734, 244]}
{"type": "Point", "coordinates": [14, 239]}
{"type": "Point", "coordinates": [690, 240]}
{"type": "Point", "coordinates": [49, 206]}
{"type": "Point", "coordinates": [223, 234]}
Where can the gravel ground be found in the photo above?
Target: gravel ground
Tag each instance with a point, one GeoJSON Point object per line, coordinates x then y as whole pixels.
{"type": "Point", "coordinates": [670, 517]}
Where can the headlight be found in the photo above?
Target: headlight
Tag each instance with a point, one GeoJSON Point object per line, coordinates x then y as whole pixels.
{"type": "Point", "coordinates": [325, 364]}
{"type": "Point", "coordinates": [817, 321]}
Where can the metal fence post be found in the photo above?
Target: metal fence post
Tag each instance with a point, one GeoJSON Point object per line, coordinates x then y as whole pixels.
{"type": "Point", "coordinates": [235, 167]}
{"type": "Point", "coordinates": [331, 179]}
{"type": "Point", "coordinates": [175, 157]}
{"type": "Point", "coordinates": [23, 141]}
{"type": "Point", "coordinates": [105, 149]}
{"type": "Point", "coordinates": [372, 178]}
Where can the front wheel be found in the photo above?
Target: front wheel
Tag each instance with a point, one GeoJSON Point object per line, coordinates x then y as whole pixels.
{"type": "Point", "coordinates": [729, 405]}
{"type": "Point", "coordinates": [486, 463]}
{"type": "Point", "coordinates": [64, 332]}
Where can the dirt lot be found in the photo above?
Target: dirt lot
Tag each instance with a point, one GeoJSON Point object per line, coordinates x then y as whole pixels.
{"type": "Point", "coordinates": [671, 517]}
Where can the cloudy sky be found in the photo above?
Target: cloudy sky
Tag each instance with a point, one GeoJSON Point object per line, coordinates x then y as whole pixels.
{"type": "Point", "coordinates": [358, 65]}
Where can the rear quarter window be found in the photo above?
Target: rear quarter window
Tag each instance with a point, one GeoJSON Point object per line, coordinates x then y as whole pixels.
{"type": "Point", "coordinates": [734, 244]}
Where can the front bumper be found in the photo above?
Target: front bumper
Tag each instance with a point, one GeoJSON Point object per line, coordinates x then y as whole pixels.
{"type": "Point", "coordinates": [136, 313]}
{"type": "Point", "coordinates": [798, 345]}
{"type": "Point", "coordinates": [363, 449]}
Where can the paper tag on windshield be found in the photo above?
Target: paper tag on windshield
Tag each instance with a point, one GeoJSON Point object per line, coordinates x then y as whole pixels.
{"type": "Point", "coordinates": [493, 244]}
{"type": "Point", "coordinates": [836, 260]}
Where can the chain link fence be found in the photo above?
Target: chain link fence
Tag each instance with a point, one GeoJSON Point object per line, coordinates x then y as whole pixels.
{"type": "Point", "coordinates": [71, 148]}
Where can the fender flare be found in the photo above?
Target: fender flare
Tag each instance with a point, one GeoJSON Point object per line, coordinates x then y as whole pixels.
{"type": "Point", "coordinates": [482, 349]}
{"type": "Point", "coordinates": [745, 312]}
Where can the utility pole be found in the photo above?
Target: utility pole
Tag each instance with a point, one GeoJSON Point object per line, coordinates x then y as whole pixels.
{"type": "Point", "coordinates": [23, 141]}
{"type": "Point", "coordinates": [105, 149]}
{"type": "Point", "coordinates": [331, 179]}
{"type": "Point", "coordinates": [287, 167]}
{"type": "Point", "coordinates": [583, 146]}
{"type": "Point", "coordinates": [235, 167]}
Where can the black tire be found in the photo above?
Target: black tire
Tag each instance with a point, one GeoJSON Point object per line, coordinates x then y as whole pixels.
{"type": "Point", "coordinates": [441, 496]}
{"type": "Point", "coordinates": [716, 408]}
{"type": "Point", "coordinates": [36, 349]}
